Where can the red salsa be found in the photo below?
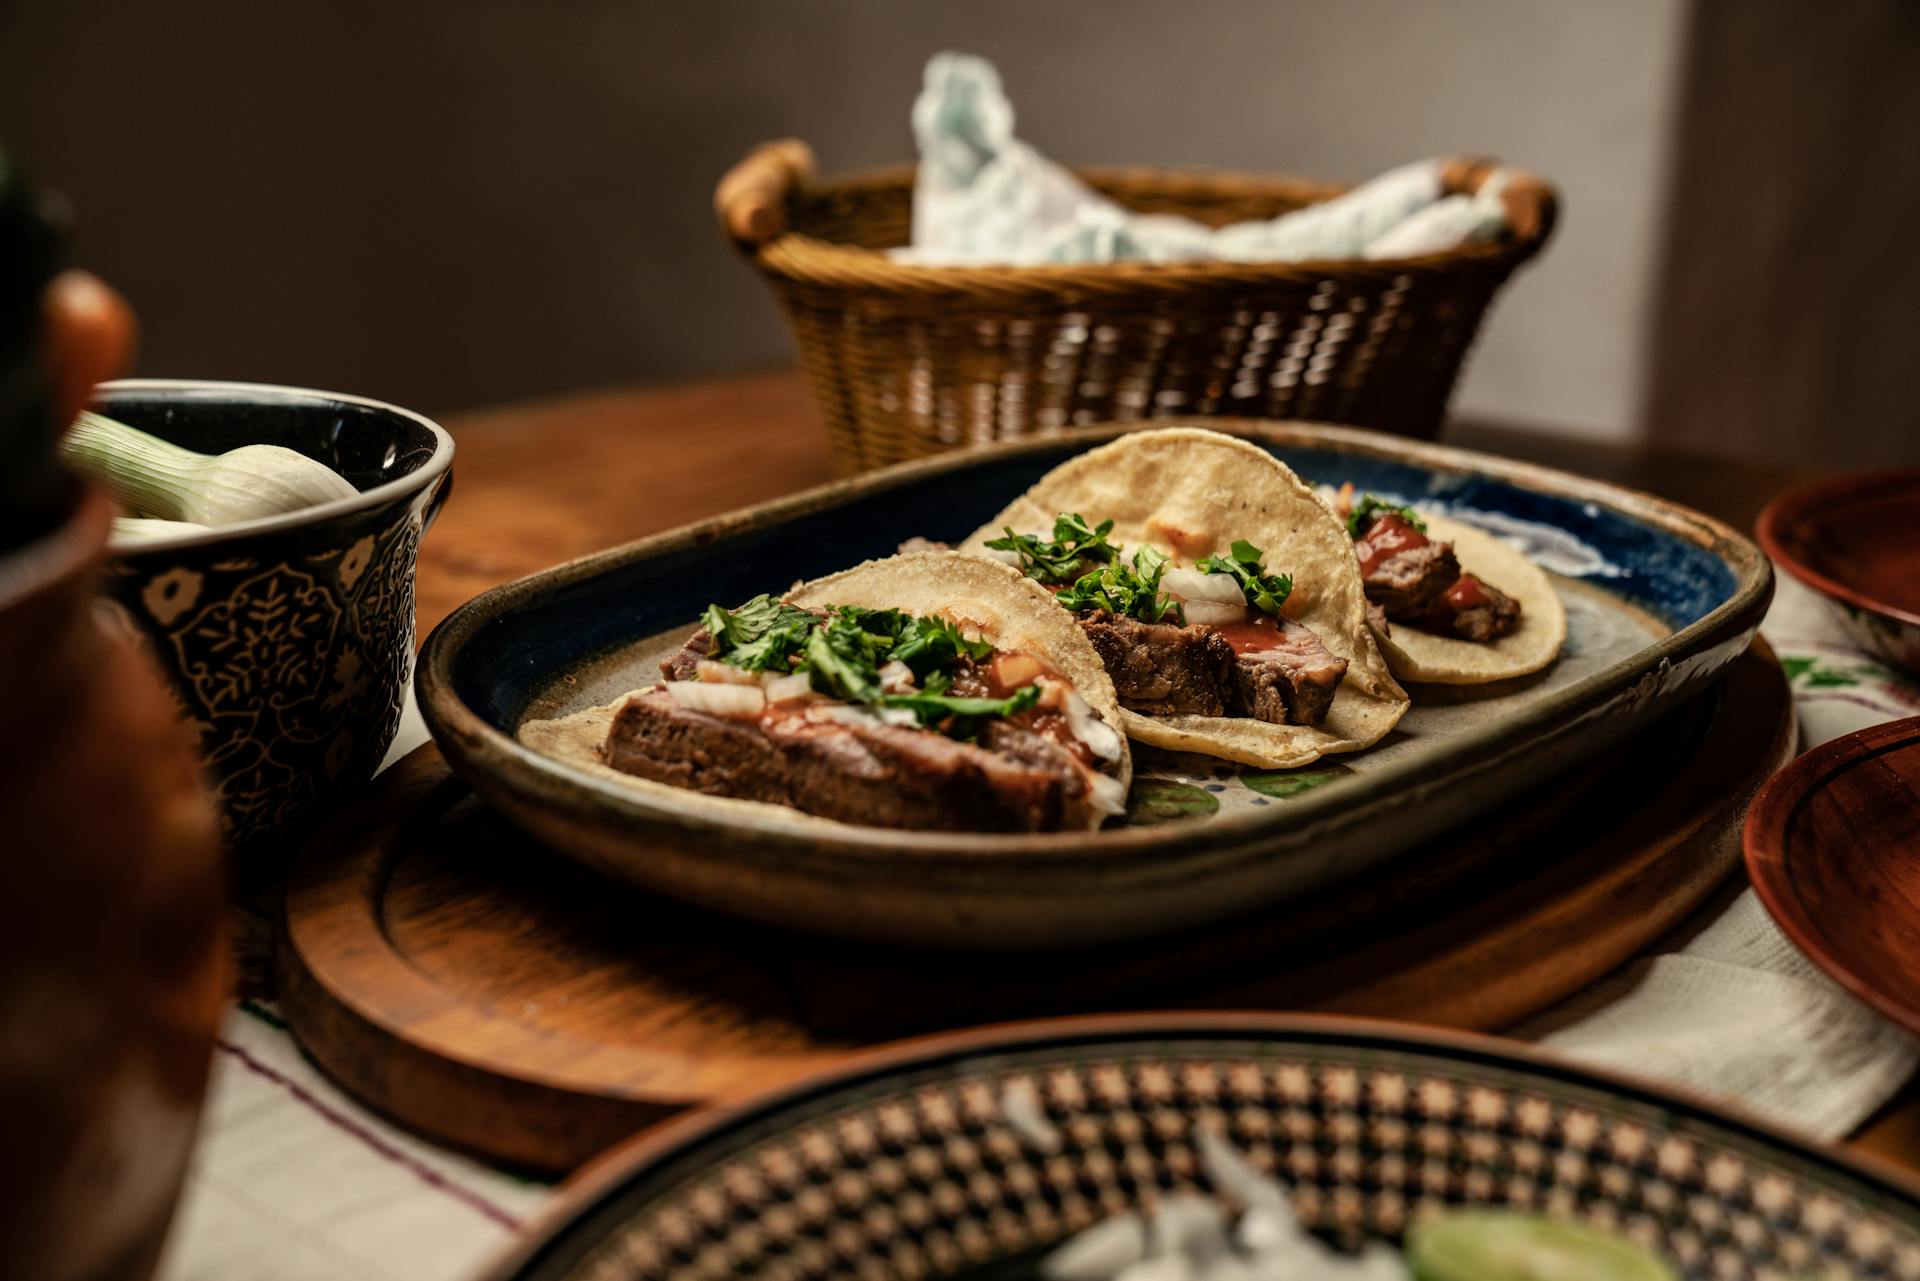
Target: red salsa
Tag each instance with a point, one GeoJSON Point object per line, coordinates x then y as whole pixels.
{"type": "Point", "coordinates": [1466, 593]}
{"type": "Point", "coordinates": [1255, 633]}
{"type": "Point", "coordinates": [1388, 535]}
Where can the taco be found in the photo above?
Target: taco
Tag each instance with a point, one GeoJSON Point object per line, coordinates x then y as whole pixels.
{"type": "Point", "coordinates": [1455, 606]}
{"type": "Point", "coordinates": [931, 690]}
{"type": "Point", "coordinates": [1218, 588]}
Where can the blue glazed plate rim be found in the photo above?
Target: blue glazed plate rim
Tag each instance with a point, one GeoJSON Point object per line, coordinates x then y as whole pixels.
{"type": "Point", "coordinates": [490, 756]}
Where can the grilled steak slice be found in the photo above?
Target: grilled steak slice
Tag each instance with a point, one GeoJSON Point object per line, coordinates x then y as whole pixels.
{"type": "Point", "coordinates": [1473, 610]}
{"type": "Point", "coordinates": [1163, 669]}
{"type": "Point", "coordinates": [1404, 581]}
{"type": "Point", "coordinates": [1292, 683]}
{"type": "Point", "coordinates": [858, 772]}
{"type": "Point", "coordinates": [683, 662]}
{"type": "Point", "coordinates": [1416, 580]}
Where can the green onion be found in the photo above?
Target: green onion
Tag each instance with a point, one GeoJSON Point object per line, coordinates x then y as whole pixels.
{"type": "Point", "coordinates": [130, 531]}
{"type": "Point", "coordinates": [156, 478]}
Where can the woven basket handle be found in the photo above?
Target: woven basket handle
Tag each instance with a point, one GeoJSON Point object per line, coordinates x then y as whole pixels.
{"type": "Point", "coordinates": [751, 199]}
{"type": "Point", "coordinates": [1531, 202]}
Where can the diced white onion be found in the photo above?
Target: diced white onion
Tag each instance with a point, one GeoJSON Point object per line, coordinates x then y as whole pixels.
{"type": "Point", "coordinates": [841, 713]}
{"type": "Point", "coordinates": [896, 678]}
{"type": "Point", "coordinates": [1100, 1252]}
{"type": "Point", "coordinates": [1192, 585]}
{"type": "Point", "coordinates": [899, 716]}
{"type": "Point", "coordinates": [1053, 694]}
{"type": "Point", "coordinates": [721, 700]}
{"type": "Point", "coordinates": [1107, 793]}
{"type": "Point", "coordinates": [1016, 671]}
{"type": "Point", "coordinates": [785, 689]}
{"type": "Point", "coordinates": [1102, 739]}
{"type": "Point", "coordinates": [1020, 1104]}
{"type": "Point", "coordinates": [1207, 613]}
{"type": "Point", "coordinates": [724, 673]}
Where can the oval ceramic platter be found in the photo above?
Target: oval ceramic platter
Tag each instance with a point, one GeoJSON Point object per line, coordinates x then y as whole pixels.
{"type": "Point", "coordinates": [1659, 599]}
{"type": "Point", "coordinates": [931, 1160]}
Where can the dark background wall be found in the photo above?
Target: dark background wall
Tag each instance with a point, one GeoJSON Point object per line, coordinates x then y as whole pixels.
{"type": "Point", "coordinates": [1789, 318]}
{"type": "Point", "coordinates": [453, 202]}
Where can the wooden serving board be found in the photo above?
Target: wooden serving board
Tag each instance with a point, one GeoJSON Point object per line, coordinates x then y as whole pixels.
{"type": "Point", "coordinates": [457, 977]}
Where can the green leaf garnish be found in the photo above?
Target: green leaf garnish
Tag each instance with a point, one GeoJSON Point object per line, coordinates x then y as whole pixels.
{"type": "Point", "coordinates": [1361, 518]}
{"type": "Point", "coordinates": [1126, 590]}
{"type": "Point", "coordinates": [762, 634]}
{"type": "Point", "coordinates": [1264, 591]}
{"type": "Point", "coordinates": [959, 717]}
{"type": "Point", "coordinates": [1065, 556]}
{"type": "Point", "coordinates": [844, 651]}
{"type": "Point", "coordinates": [932, 646]}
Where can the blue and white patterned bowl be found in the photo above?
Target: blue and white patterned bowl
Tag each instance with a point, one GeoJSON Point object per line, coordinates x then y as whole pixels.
{"type": "Point", "coordinates": [903, 1163]}
{"type": "Point", "coordinates": [288, 640]}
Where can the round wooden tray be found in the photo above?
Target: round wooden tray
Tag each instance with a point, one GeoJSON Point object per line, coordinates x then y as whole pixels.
{"type": "Point", "coordinates": [456, 977]}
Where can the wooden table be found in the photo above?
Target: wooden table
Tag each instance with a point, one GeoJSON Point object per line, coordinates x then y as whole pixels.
{"type": "Point", "coordinates": [543, 482]}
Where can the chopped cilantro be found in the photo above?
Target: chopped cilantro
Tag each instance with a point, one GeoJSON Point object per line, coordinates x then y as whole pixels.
{"type": "Point", "coordinates": [1126, 590]}
{"type": "Point", "coordinates": [1264, 591]}
{"type": "Point", "coordinates": [960, 717]}
{"type": "Point", "coordinates": [844, 651]}
{"type": "Point", "coordinates": [841, 659]}
{"type": "Point", "coordinates": [1360, 519]}
{"type": "Point", "coordinates": [933, 646]}
{"type": "Point", "coordinates": [762, 634]}
{"type": "Point", "coordinates": [1063, 558]}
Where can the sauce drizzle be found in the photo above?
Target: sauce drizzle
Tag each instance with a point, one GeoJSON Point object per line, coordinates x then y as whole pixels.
{"type": "Point", "coordinates": [1389, 535]}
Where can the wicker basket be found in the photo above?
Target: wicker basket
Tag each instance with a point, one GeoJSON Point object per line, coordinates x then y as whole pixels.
{"type": "Point", "coordinates": [913, 360]}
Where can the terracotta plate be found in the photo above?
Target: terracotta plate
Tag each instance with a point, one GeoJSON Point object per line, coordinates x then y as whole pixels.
{"type": "Point", "coordinates": [1856, 541]}
{"type": "Point", "coordinates": [1659, 599]}
{"type": "Point", "coordinates": [1833, 847]}
{"type": "Point", "coordinates": [903, 1164]}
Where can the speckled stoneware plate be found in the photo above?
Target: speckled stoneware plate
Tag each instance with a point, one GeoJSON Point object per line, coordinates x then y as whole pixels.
{"type": "Point", "coordinates": [902, 1163]}
{"type": "Point", "coordinates": [1659, 599]}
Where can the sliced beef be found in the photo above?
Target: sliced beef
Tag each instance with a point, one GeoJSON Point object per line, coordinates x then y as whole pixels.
{"type": "Point", "coordinates": [1291, 683]}
{"type": "Point", "coordinates": [1378, 618]}
{"type": "Point", "coordinates": [1416, 580]}
{"type": "Point", "coordinates": [1473, 610]}
{"type": "Point", "coordinates": [1163, 669]}
{"type": "Point", "coordinates": [1402, 576]}
{"type": "Point", "coordinates": [880, 775]}
{"type": "Point", "coordinates": [681, 664]}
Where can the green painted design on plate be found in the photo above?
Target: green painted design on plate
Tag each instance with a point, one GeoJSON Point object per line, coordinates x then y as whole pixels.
{"type": "Point", "coordinates": [1817, 675]}
{"type": "Point", "coordinates": [1161, 800]}
{"type": "Point", "coordinates": [1285, 783]}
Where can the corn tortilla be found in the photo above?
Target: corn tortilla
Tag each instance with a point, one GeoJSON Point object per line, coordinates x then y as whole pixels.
{"type": "Point", "coordinates": [1415, 655]}
{"type": "Point", "coordinates": [993, 601]}
{"type": "Point", "coordinates": [1192, 493]}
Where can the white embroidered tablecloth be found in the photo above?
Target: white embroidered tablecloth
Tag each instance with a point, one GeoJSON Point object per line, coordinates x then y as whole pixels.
{"type": "Point", "coordinates": [295, 1181]}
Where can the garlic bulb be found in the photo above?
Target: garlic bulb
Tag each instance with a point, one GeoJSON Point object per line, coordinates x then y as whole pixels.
{"type": "Point", "coordinates": [154, 477]}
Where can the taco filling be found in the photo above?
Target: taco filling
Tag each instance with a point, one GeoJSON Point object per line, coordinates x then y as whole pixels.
{"type": "Point", "coordinates": [873, 716]}
{"type": "Point", "coordinates": [1205, 640]}
{"type": "Point", "coordinates": [1416, 580]}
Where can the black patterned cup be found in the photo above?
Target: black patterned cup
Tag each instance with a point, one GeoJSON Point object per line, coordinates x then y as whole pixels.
{"type": "Point", "coordinates": [288, 641]}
